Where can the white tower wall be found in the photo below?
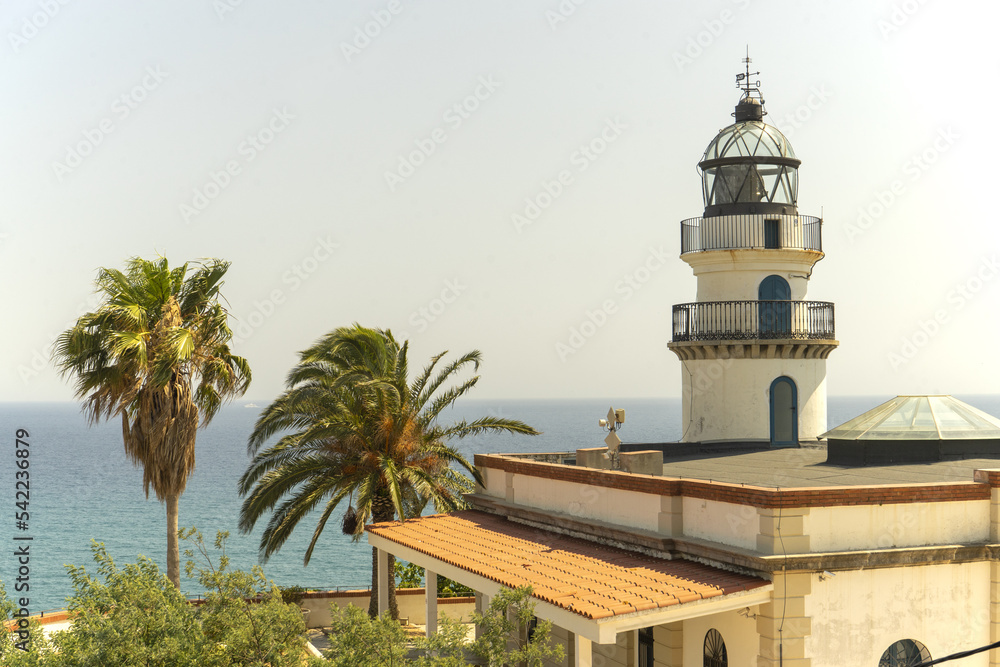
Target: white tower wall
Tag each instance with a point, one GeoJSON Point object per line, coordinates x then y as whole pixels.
{"type": "Point", "coordinates": [729, 399]}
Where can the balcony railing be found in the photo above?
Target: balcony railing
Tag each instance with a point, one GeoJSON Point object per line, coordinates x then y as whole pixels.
{"type": "Point", "coordinates": [753, 320]}
{"type": "Point", "coordinates": [750, 232]}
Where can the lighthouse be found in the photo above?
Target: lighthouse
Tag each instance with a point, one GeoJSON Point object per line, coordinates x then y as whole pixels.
{"type": "Point", "coordinates": [753, 348]}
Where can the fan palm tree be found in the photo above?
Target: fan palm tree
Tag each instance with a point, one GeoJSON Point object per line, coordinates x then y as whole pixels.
{"type": "Point", "coordinates": [156, 353]}
{"type": "Point", "coordinates": [357, 430]}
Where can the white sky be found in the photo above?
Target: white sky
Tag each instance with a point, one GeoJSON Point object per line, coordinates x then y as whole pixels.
{"type": "Point", "coordinates": [870, 95]}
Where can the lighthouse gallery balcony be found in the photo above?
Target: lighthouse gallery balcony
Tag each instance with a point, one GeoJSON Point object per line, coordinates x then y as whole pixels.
{"type": "Point", "coordinates": [753, 320]}
{"type": "Point", "coordinates": [752, 232]}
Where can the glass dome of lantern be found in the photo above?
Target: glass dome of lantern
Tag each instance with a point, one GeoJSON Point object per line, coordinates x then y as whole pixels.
{"type": "Point", "coordinates": [749, 167]}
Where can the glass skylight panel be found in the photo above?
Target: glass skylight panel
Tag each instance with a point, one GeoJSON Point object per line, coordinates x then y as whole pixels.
{"type": "Point", "coordinates": [919, 418]}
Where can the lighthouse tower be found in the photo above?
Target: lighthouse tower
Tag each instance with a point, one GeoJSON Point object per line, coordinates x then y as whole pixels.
{"type": "Point", "coordinates": [753, 349]}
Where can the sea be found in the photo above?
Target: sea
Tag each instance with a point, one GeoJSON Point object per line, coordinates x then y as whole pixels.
{"type": "Point", "coordinates": [83, 488]}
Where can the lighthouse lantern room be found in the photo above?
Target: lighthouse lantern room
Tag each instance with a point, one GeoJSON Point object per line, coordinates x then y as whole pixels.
{"type": "Point", "coordinates": [753, 349]}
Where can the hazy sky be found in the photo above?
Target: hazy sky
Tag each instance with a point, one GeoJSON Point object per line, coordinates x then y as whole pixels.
{"type": "Point", "coordinates": [364, 161]}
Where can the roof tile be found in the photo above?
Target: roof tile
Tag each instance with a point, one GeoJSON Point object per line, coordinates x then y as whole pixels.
{"type": "Point", "coordinates": [592, 580]}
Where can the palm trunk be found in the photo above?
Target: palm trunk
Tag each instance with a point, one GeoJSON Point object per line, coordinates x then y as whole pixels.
{"type": "Point", "coordinates": [173, 545]}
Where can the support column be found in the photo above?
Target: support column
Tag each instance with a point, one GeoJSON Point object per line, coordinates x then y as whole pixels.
{"type": "Point", "coordinates": [668, 644]}
{"type": "Point", "coordinates": [482, 606]}
{"type": "Point", "coordinates": [383, 581]}
{"type": "Point", "coordinates": [583, 652]}
{"type": "Point", "coordinates": [782, 624]}
{"type": "Point", "coordinates": [431, 602]}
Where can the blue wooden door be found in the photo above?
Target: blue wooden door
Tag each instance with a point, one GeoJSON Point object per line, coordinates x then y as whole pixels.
{"type": "Point", "coordinates": [774, 317]}
{"type": "Point", "coordinates": [784, 413]}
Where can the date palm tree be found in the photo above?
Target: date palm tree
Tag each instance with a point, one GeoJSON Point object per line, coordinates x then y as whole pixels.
{"type": "Point", "coordinates": [357, 430]}
{"type": "Point", "coordinates": [156, 353]}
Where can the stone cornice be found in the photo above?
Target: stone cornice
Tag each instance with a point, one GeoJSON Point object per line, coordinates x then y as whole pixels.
{"type": "Point", "coordinates": [753, 349]}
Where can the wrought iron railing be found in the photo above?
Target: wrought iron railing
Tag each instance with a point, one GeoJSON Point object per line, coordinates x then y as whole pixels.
{"type": "Point", "coordinates": [751, 232]}
{"type": "Point", "coordinates": [753, 320]}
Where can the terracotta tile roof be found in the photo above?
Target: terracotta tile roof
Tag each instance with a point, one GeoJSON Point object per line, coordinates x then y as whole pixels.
{"type": "Point", "coordinates": [590, 579]}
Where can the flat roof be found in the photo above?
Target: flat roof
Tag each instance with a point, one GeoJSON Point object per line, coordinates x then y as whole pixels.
{"type": "Point", "coordinates": [807, 467]}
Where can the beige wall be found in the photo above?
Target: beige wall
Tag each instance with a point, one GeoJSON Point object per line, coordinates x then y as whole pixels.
{"type": "Point", "coordinates": [857, 615]}
{"type": "Point", "coordinates": [496, 482]}
{"type": "Point", "coordinates": [899, 525]}
{"type": "Point", "coordinates": [613, 655]}
{"type": "Point", "coordinates": [739, 633]}
{"type": "Point", "coordinates": [726, 523]}
{"type": "Point", "coordinates": [626, 508]}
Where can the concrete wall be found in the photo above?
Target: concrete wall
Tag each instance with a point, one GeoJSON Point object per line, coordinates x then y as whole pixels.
{"type": "Point", "coordinates": [617, 654]}
{"type": "Point", "coordinates": [562, 637]}
{"type": "Point", "coordinates": [626, 508]}
{"type": "Point", "coordinates": [729, 399]}
{"type": "Point", "coordinates": [726, 523]}
{"type": "Point", "coordinates": [736, 275]}
{"type": "Point", "coordinates": [898, 525]}
{"type": "Point", "coordinates": [857, 615]}
{"type": "Point", "coordinates": [411, 605]}
{"type": "Point", "coordinates": [496, 482]}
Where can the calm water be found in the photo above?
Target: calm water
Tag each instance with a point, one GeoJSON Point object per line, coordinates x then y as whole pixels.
{"type": "Point", "coordinates": [82, 486]}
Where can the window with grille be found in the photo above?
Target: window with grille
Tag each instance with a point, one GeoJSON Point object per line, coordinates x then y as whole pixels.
{"type": "Point", "coordinates": [904, 653]}
{"type": "Point", "coordinates": [646, 647]}
{"type": "Point", "coordinates": [715, 650]}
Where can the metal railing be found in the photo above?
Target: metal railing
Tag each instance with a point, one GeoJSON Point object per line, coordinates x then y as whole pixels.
{"type": "Point", "coordinates": [751, 232]}
{"type": "Point", "coordinates": [753, 320]}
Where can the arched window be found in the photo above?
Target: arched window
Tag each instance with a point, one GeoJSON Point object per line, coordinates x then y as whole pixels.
{"type": "Point", "coordinates": [904, 653]}
{"type": "Point", "coordinates": [715, 650]}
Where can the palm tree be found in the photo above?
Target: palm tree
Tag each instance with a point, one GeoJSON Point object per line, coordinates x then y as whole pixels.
{"type": "Point", "coordinates": [358, 430]}
{"type": "Point", "coordinates": [156, 353]}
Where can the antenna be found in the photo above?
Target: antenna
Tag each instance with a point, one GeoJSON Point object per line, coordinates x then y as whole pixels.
{"type": "Point", "coordinates": [751, 104]}
{"type": "Point", "coordinates": [614, 422]}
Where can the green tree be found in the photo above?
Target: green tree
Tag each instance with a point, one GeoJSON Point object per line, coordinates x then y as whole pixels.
{"type": "Point", "coordinates": [359, 641]}
{"type": "Point", "coordinates": [358, 430]}
{"type": "Point", "coordinates": [243, 612]}
{"type": "Point", "coordinates": [127, 616]}
{"type": "Point", "coordinates": [504, 636]}
{"type": "Point", "coordinates": [133, 616]}
{"type": "Point", "coordinates": [156, 353]}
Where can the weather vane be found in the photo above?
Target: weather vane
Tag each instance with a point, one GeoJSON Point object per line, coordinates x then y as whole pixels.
{"type": "Point", "coordinates": [743, 82]}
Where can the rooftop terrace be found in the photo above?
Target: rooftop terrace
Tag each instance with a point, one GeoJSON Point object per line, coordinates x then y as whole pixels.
{"type": "Point", "coordinates": [789, 467]}
{"type": "Point", "coordinates": [806, 467]}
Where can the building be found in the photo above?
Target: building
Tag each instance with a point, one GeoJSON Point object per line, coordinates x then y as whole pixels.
{"type": "Point", "coordinates": [755, 553]}
{"type": "Point", "coordinates": [753, 350]}
{"type": "Point", "coordinates": [760, 558]}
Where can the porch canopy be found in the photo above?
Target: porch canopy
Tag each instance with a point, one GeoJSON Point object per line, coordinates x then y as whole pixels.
{"type": "Point", "coordinates": [592, 590]}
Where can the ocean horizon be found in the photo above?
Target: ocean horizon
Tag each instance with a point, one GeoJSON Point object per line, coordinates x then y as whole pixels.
{"type": "Point", "coordinates": [82, 486]}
